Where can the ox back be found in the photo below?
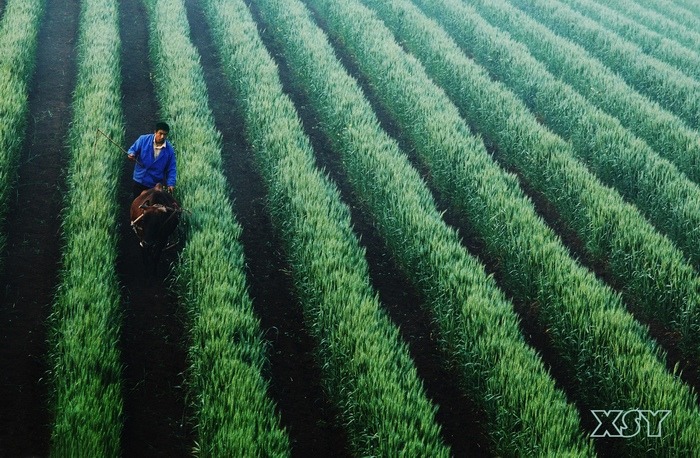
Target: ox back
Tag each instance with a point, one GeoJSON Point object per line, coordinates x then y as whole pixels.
{"type": "Point", "coordinates": [155, 215]}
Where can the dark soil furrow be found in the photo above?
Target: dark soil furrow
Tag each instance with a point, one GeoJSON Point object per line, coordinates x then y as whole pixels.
{"type": "Point", "coordinates": [33, 238]}
{"type": "Point", "coordinates": [457, 415]}
{"type": "Point", "coordinates": [295, 380]}
{"type": "Point", "coordinates": [153, 331]}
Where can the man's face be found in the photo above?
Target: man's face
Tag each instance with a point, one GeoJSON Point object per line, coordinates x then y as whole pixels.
{"type": "Point", "coordinates": [160, 136]}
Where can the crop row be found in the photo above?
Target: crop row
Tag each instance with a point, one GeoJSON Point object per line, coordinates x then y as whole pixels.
{"type": "Point", "coordinates": [479, 330]}
{"type": "Point", "coordinates": [594, 334]}
{"type": "Point", "coordinates": [368, 372]}
{"type": "Point", "coordinates": [659, 81]}
{"type": "Point", "coordinates": [684, 15]}
{"type": "Point", "coordinates": [662, 130]}
{"type": "Point", "coordinates": [685, 59]}
{"type": "Point", "coordinates": [649, 269]}
{"type": "Point", "coordinates": [19, 28]}
{"type": "Point", "coordinates": [618, 158]}
{"type": "Point", "coordinates": [448, 66]}
{"type": "Point", "coordinates": [233, 414]}
{"type": "Point", "coordinates": [655, 278]}
{"type": "Point", "coordinates": [85, 321]}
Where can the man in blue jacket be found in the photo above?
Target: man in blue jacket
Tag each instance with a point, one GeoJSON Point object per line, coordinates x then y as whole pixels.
{"type": "Point", "coordinates": [155, 160]}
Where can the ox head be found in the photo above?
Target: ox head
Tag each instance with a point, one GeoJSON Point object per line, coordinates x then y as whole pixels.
{"type": "Point", "coordinates": [155, 215]}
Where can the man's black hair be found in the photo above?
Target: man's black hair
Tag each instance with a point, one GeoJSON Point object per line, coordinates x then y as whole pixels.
{"type": "Point", "coordinates": [162, 126]}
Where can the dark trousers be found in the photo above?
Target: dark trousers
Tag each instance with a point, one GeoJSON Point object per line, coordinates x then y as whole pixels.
{"type": "Point", "coordinates": [138, 188]}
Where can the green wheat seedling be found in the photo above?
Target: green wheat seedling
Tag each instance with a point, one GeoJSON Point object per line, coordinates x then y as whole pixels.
{"type": "Point", "coordinates": [619, 159]}
{"type": "Point", "coordinates": [19, 28]}
{"type": "Point", "coordinates": [607, 354]}
{"type": "Point", "coordinates": [233, 413]}
{"type": "Point", "coordinates": [670, 137]}
{"type": "Point", "coordinates": [660, 82]}
{"type": "Point", "coordinates": [678, 19]}
{"type": "Point", "coordinates": [686, 59]}
{"type": "Point", "coordinates": [368, 372]}
{"type": "Point", "coordinates": [478, 326]}
{"type": "Point", "coordinates": [655, 278]}
{"type": "Point", "coordinates": [86, 318]}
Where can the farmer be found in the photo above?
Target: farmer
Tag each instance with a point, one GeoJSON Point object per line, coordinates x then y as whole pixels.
{"type": "Point", "coordinates": [155, 160]}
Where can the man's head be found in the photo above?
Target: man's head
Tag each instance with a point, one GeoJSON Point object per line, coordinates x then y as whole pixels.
{"type": "Point", "coordinates": [161, 132]}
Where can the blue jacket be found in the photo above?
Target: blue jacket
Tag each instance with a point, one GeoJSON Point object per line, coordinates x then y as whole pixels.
{"type": "Point", "coordinates": [149, 171]}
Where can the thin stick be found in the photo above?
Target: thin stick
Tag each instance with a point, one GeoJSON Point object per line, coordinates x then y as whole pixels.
{"type": "Point", "coordinates": [113, 142]}
{"type": "Point", "coordinates": [116, 144]}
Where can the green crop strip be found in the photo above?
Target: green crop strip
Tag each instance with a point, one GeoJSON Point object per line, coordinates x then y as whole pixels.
{"type": "Point", "coordinates": [233, 413]}
{"type": "Point", "coordinates": [685, 59]}
{"type": "Point", "coordinates": [682, 16]}
{"type": "Point", "coordinates": [85, 321]}
{"type": "Point", "coordinates": [655, 279]}
{"type": "Point", "coordinates": [602, 348]}
{"type": "Point", "coordinates": [669, 87]}
{"type": "Point", "coordinates": [662, 130]}
{"type": "Point", "coordinates": [19, 28]}
{"type": "Point", "coordinates": [478, 326]}
{"type": "Point", "coordinates": [367, 370]}
{"type": "Point", "coordinates": [619, 159]}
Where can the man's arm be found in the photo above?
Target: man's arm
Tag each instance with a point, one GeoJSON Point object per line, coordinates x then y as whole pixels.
{"type": "Point", "coordinates": [134, 150]}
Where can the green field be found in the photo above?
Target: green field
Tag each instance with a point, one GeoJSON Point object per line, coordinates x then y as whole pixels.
{"type": "Point", "coordinates": [411, 228]}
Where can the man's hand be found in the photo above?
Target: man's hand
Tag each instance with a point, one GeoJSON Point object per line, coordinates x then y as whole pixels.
{"type": "Point", "coordinates": [171, 189]}
{"type": "Point", "coordinates": [131, 157]}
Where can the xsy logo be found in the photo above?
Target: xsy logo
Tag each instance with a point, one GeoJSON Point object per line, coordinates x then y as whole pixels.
{"type": "Point", "coordinates": [629, 423]}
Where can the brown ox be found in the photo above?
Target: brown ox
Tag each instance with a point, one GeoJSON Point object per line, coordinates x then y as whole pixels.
{"type": "Point", "coordinates": [154, 216]}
